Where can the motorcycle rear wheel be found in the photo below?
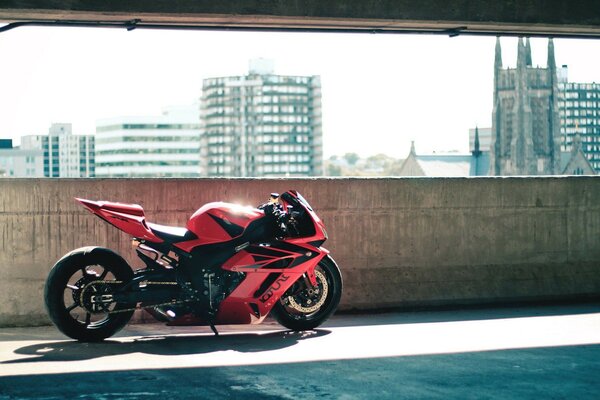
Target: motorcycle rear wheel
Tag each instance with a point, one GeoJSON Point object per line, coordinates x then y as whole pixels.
{"type": "Point", "coordinates": [300, 311]}
{"type": "Point", "coordinates": [68, 292]}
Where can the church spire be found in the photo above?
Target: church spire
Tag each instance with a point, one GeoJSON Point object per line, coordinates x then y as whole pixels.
{"type": "Point", "coordinates": [476, 146]}
{"type": "Point", "coordinates": [528, 53]}
{"type": "Point", "coordinates": [554, 136]}
{"type": "Point", "coordinates": [521, 57]}
{"type": "Point", "coordinates": [498, 60]}
{"type": "Point", "coordinates": [551, 61]}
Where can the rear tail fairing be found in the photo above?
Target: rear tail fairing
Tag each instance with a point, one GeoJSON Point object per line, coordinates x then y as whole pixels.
{"type": "Point", "coordinates": [129, 218]}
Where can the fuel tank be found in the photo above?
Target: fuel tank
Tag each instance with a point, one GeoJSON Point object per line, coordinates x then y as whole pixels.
{"type": "Point", "coordinates": [220, 222]}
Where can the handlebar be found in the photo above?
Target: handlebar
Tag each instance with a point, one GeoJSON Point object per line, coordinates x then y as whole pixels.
{"type": "Point", "coordinates": [285, 222]}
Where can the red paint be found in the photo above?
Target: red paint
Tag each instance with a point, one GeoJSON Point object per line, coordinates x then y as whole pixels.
{"type": "Point", "coordinates": [129, 218]}
{"type": "Point", "coordinates": [250, 302]}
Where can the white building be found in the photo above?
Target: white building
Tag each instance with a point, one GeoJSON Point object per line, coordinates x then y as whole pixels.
{"type": "Point", "coordinates": [261, 124]}
{"type": "Point", "coordinates": [65, 155]}
{"type": "Point", "coordinates": [19, 163]}
{"type": "Point", "coordinates": [165, 145]}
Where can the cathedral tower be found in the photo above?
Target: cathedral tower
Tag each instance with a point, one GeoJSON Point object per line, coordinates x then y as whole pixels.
{"type": "Point", "coordinates": [525, 124]}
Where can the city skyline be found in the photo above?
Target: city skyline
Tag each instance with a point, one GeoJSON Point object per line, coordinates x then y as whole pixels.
{"type": "Point", "coordinates": [386, 88]}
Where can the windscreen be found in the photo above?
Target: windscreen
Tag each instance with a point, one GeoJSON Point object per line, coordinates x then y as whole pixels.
{"type": "Point", "coordinates": [303, 201]}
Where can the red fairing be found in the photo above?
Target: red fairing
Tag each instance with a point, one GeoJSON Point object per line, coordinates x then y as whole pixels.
{"type": "Point", "coordinates": [319, 226]}
{"type": "Point", "coordinates": [251, 301]}
{"type": "Point", "coordinates": [219, 222]}
{"type": "Point", "coordinates": [129, 218]}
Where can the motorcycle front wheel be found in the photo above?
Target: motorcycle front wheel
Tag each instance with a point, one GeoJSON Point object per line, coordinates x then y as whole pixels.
{"type": "Point", "coordinates": [302, 307]}
{"type": "Point", "coordinates": [78, 294]}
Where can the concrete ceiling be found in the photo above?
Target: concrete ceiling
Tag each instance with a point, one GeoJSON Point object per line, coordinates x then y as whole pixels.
{"type": "Point", "coordinates": [516, 17]}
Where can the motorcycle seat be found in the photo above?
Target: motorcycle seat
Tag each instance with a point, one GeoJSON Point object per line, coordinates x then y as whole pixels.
{"type": "Point", "coordinates": [171, 234]}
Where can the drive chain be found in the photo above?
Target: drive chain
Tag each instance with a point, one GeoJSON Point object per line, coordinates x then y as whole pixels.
{"type": "Point", "coordinates": [169, 303]}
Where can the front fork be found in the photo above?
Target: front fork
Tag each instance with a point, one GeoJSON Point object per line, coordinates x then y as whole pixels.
{"type": "Point", "coordinates": [310, 278]}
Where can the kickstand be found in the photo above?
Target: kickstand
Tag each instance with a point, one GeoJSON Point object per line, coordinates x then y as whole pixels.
{"type": "Point", "coordinates": [214, 329]}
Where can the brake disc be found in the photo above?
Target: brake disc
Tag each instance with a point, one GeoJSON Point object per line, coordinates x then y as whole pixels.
{"type": "Point", "coordinates": [315, 297]}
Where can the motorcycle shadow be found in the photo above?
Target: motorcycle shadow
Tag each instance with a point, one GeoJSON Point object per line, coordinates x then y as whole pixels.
{"type": "Point", "coordinates": [164, 346]}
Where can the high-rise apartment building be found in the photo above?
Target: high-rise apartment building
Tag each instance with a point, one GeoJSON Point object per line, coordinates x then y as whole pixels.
{"type": "Point", "coordinates": [65, 155]}
{"type": "Point", "coordinates": [165, 145]}
{"type": "Point", "coordinates": [579, 108]}
{"type": "Point", "coordinates": [261, 124]}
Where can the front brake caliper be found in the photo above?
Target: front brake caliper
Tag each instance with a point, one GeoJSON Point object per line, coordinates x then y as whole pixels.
{"type": "Point", "coordinates": [311, 278]}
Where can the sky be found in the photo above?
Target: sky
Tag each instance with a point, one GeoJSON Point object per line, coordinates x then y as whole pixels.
{"type": "Point", "coordinates": [380, 92]}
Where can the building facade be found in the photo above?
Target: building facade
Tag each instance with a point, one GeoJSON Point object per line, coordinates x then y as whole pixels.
{"type": "Point", "coordinates": [447, 165]}
{"type": "Point", "coordinates": [165, 145]}
{"type": "Point", "coordinates": [579, 108]}
{"type": "Point", "coordinates": [525, 119]}
{"type": "Point", "coordinates": [261, 124]}
{"type": "Point", "coordinates": [65, 155]}
{"type": "Point", "coordinates": [20, 163]}
{"type": "Point", "coordinates": [477, 163]}
{"type": "Point", "coordinates": [541, 125]}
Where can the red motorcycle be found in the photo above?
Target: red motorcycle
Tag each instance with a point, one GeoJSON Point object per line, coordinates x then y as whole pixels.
{"type": "Point", "coordinates": [230, 265]}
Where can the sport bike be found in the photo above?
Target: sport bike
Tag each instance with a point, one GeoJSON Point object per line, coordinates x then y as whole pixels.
{"type": "Point", "coordinates": [230, 265]}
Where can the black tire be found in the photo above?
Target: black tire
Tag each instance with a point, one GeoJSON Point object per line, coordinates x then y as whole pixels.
{"type": "Point", "coordinates": [63, 293]}
{"type": "Point", "coordinates": [292, 318]}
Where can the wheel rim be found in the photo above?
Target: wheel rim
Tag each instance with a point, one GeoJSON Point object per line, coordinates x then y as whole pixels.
{"type": "Point", "coordinates": [311, 299]}
{"type": "Point", "coordinates": [80, 288]}
{"type": "Point", "coordinates": [304, 304]}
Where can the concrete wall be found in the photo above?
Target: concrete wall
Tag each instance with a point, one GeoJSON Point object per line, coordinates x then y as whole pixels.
{"type": "Point", "coordinates": [399, 242]}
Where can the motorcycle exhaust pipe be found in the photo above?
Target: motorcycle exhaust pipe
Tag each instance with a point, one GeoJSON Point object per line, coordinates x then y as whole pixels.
{"type": "Point", "coordinates": [162, 315]}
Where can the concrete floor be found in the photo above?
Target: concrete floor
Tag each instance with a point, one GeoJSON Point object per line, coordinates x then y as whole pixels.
{"type": "Point", "coordinates": [507, 353]}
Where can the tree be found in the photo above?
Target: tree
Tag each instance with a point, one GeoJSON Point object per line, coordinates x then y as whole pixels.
{"type": "Point", "coordinates": [333, 170]}
{"type": "Point", "coordinates": [351, 158]}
